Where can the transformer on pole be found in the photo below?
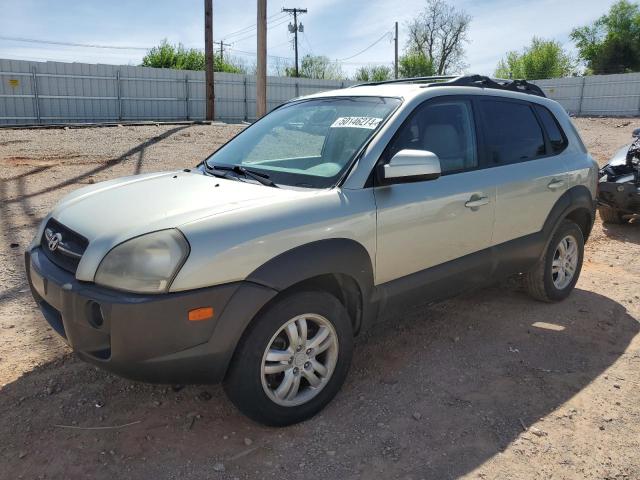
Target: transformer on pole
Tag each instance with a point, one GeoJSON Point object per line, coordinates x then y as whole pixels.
{"type": "Point", "coordinates": [295, 28]}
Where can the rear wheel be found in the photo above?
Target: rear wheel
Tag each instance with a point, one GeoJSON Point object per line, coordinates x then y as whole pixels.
{"type": "Point", "coordinates": [293, 360]}
{"type": "Point", "coordinates": [611, 215]}
{"type": "Point", "coordinates": [557, 272]}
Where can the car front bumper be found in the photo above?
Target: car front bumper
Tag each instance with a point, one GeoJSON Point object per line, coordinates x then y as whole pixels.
{"type": "Point", "coordinates": [620, 196]}
{"type": "Point", "coordinates": [145, 337]}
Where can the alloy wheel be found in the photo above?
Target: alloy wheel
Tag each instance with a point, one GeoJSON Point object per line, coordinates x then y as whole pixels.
{"type": "Point", "coordinates": [299, 360]}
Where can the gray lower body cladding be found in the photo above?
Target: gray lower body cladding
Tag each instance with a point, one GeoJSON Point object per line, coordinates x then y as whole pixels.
{"type": "Point", "coordinates": [145, 337]}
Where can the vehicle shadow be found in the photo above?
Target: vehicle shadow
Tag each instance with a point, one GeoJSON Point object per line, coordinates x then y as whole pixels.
{"type": "Point", "coordinates": [14, 191]}
{"type": "Point", "coordinates": [627, 233]}
{"type": "Point", "coordinates": [432, 393]}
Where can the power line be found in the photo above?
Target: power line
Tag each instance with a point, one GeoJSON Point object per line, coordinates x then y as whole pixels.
{"type": "Point", "coordinates": [270, 19]}
{"type": "Point", "coordinates": [244, 52]}
{"type": "Point", "coordinates": [306, 39]}
{"type": "Point", "coordinates": [386, 35]}
{"type": "Point", "coordinates": [246, 30]}
{"type": "Point", "coordinates": [287, 42]}
{"type": "Point", "coordinates": [373, 62]}
{"type": "Point", "coordinates": [71, 44]}
{"type": "Point", "coordinates": [252, 35]}
{"type": "Point", "coordinates": [88, 45]}
{"type": "Point", "coordinates": [123, 47]}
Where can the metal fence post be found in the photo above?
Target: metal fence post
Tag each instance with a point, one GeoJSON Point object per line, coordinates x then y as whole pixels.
{"type": "Point", "coordinates": [34, 87]}
{"type": "Point", "coordinates": [246, 101]}
{"type": "Point", "coordinates": [186, 94]}
{"type": "Point", "coordinates": [581, 95]}
{"type": "Point", "coordinates": [119, 94]}
{"type": "Point", "coordinates": [297, 88]}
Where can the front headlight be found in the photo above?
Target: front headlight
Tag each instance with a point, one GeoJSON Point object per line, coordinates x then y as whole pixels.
{"type": "Point", "coordinates": [145, 264]}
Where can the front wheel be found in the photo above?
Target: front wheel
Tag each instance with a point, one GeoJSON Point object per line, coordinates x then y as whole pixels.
{"type": "Point", "coordinates": [555, 275]}
{"type": "Point", "coordinates": [293, 359]}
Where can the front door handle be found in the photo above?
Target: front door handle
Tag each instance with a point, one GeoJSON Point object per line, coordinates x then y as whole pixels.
{"type": "Point", "coordinates": [475, 202]}
{"type": "Point", "coordinates": [555, 184]}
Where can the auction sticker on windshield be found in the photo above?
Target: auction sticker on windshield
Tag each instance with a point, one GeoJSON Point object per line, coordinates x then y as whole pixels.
{"type": "Point", "coordinates": [356, 122]}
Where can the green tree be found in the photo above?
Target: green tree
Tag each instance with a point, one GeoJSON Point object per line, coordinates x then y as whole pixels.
{"type": "Point", "coordinates": [317, 66]}
{"type": "Point", "coordinates": [611, 44]}
{"type": "Point", "coordinates": [541, 59]}
{"type": "Point", "coordinates": [177, 57]}
{"type": "Point", "coordinates": [373, 73]}
{"type": "Point", "coordinates": [415, 64]}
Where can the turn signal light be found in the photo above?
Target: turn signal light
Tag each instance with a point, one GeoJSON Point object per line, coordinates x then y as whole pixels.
{"type": "Point", "coordinates": [198, 314]}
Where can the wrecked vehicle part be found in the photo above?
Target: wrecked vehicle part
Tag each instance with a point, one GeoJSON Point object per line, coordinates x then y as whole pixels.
{"type": "Point", "coordinates": [619, 184]}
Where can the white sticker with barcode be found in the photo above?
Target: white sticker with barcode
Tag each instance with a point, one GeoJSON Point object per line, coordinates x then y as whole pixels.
{"type": "Point", "coordinates": [356, 122]}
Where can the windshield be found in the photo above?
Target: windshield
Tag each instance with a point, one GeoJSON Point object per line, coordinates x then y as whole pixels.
{"type": "Point", "coordinates": [308, 143]}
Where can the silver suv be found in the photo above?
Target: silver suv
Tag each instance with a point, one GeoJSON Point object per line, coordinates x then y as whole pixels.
{"type": "Point", "coordinates": [260, 266]}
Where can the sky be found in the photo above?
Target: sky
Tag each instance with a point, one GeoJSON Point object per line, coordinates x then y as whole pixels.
{"type": "Point", "coordinates": [339, 29]}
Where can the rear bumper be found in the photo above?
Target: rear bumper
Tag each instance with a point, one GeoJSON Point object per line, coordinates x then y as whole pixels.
{"type": "Point", "coordinates": [145, 337]}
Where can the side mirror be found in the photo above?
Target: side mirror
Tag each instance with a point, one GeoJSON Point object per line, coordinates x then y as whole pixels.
{"type": "Point", "coordinates": [410, 166]}
{"type": "Point", "coordinates": [636, 133]}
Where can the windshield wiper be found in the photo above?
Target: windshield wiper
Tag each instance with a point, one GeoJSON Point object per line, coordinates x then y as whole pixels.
{"type": "Point", "coordinates": [262, 178]}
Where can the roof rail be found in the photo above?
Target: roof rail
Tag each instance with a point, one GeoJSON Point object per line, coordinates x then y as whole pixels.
{"type": "Point", "coordinates": [483, 81]}
{"type": "Point", "coordinates": [480, 81]}
{"type": "Point", "coordinates": [437, 78]}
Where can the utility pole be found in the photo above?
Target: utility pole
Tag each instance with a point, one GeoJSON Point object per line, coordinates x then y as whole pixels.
{"type": "Point", "coordinates": [395, 63]}
{"type": "Point", "coordinates": [295, 29]}
{"type": "Point", "coordinates": [261, 70]}
{"type": "Point", "coordinates": [222, 45]}
{"type": "Point", "coordinates": [208, 56]}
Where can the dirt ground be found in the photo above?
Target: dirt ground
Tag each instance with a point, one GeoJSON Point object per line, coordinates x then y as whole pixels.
{"type": "Point", "coordinates": [488, 385]}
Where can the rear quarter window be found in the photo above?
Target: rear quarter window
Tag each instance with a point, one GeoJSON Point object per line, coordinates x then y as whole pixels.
{"type": "Point", "coordinates": [557, 138]}
{"type": "Point", "coordinates": [511, 131]}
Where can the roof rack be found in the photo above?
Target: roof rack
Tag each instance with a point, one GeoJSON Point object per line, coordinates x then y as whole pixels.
{"type": "Point", "coordinates": [437, 78]}
{"type": "Point", "coordinates": [480, 81]}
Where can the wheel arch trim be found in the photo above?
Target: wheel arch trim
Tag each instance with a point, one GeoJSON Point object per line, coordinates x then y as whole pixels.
{"type": "Point", "coordinates": [574, 202]}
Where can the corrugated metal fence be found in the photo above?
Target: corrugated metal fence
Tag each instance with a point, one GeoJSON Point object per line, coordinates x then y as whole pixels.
{"type": "Point", "coordinates": [597, 94]}
{"type": "Point", "coordinates": [55, 92]}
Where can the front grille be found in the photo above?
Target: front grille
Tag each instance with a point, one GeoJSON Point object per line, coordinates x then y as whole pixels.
{"type": "Point", "coordinates": [63, 246]}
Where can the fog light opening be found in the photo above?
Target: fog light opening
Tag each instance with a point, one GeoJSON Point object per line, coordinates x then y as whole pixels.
{"type": "Point", "coordinates": [96, 318]}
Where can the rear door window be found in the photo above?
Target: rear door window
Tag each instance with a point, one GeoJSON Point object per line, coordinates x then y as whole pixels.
{"type": "Point", "coordinates": [556, 136]}
{"type": "Point", "coordinates": [511, 131]}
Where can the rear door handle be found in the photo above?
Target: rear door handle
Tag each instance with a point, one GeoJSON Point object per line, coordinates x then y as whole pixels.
{"type": "Point", "coordinates": [476, 202]}
{"type": "Point", "coordinates": [555, 184]}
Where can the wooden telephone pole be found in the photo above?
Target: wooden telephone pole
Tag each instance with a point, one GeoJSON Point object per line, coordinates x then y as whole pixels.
{"type": "Point", "coordinates": [222, 45]}
{"type": "Point", "coordinates": [295, 29]}
{"type": "Point", "coordinates": [261, 71]}
{"type": "Point", "coordinates": [208, 57]}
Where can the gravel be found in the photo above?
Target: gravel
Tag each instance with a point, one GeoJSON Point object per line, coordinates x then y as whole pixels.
{"type": "Point", "coordinates": [434, 392]}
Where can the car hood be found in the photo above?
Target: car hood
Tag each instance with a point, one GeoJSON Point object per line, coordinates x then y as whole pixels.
{"type": "Point", "coordinates": [620, 157]}
{"type": "Point", "coordinates": [111, 212]}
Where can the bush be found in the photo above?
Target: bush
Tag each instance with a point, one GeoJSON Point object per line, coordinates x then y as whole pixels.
{"type": "Point", "coordinates": [177, 57]}
{"type": "Point", "coordinates": [415, 64]}
{"type": "Point", "coordinates": [373, 73]}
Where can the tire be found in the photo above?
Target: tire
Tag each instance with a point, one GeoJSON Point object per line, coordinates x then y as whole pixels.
{"type": "Point", "coordinates": [611, 215]}
{"type": "Point", "coordinates": [545, 285]}
{"type": "Point", "coordinates": [257, 393]}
